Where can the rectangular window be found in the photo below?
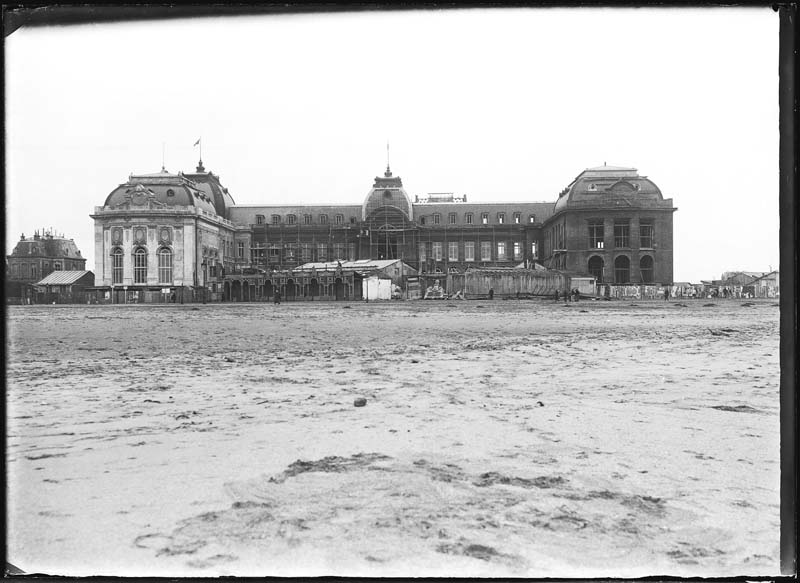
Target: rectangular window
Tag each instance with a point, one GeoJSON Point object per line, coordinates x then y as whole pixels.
{"type": "Point", "coordinates": [289, 251]}
{"type": "Point", "coordinates": [305, 251]}
{"type": "Point", "coordinates": [322, 251]}
{"type": "Point", "coordinates": [452, 251]}
{"type": "Point", "coordinates": [116, 267]}
{"type": "Point", "coordinates": [338, 251]}
{"type": "Point", "coordinates": [307, 219]}
{"type": "Point", "coordinates": [339, 219]}
{"type": "Point", "coordinates": [56, 267]}
{"type": "Point", "coordinates": [437, 251]}
{"type": "Point", "coordinates": [274, 253]}
{"type": "Point", "coordinates": [351, 251]}
{"type": "Point", "coordinates": [468, 218]}
{"type": "Point", "coordinates": [484, 218]}
{"type": "Point", "coordinates": [451, 218]}
{"type": "Point", "coordinates": [516, 218]}
{"type": "Point", "coordinates": [276, 219]}
{"type": "Point", "coordinates": [24, 270]}
{"type": "Point", "coordinates": [517, 250]}
{"type": "Point", "coordinates": [165, 266]}
{"type": "Point", "coordinates": [436, 219]}
{"type": "Point", "coordinates": [534, 251]}
{"type": "Point", "coordinates": [469, 251]}
{"type": "Point", "coordinates": [323, 219]}
{"type": "Point", "coordinates": [422, 256]}
{"type": "Point", "coordinates": [501, 218]}
{"type": "Point", "coordinates": [646, 234]}
{"type": "Point", "coordinates": [240, 249]}
{"type": "Point", "coordinates": [622, 231]}
{"type": "Point", "coordinates": [259, 219]}
{"type": "Point", "coordinates": [486, 250]}
{"type": "Point", "coordinates": [291, 219]}
{"type": "Point", "coordinates": [33, 271]}
{"type": "Point", "coordinates": [140, 266]}
{"type": "Point", "coordinates": [501, 251]}
{"type": "Point", "coordinates": [596, 234]}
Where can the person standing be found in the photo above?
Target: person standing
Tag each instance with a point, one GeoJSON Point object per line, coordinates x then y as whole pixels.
{"type": "Point", "coordinates": [666, 294]}
{"type": "Point", "coordinates": [277, 298]}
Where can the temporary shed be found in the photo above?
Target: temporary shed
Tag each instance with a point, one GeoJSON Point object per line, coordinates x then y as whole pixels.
{"type": "Point", "coordinates": [64, 287]}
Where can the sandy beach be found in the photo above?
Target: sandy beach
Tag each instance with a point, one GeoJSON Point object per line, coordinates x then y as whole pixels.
{"type": "Point", "coordinates": [499, 438]}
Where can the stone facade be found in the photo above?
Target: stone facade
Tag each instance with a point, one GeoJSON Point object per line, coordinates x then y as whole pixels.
{"type": "Point", "coordinates": [34, 258]}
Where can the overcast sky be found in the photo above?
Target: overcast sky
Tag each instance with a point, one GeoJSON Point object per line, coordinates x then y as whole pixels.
{"type": "Point", "coordinates": [502, 105]}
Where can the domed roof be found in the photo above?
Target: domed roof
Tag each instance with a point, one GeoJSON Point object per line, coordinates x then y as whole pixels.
{"type": "Point", "coordinates": [162, 189]}
{"type": "Point", "coordinates": [209, 183]}
{"type": "Point", "coordinates": [603, 185]}
{"type": "Point", "coordinates": [387, 193]}
{"type": "Point", "coordinates": [46, 245]}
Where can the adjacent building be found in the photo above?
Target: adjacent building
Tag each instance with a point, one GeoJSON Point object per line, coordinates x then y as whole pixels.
{"type": "Point", "coordinates": [163, 235]}
{"type": "Point", "coordinates": [36, 257]}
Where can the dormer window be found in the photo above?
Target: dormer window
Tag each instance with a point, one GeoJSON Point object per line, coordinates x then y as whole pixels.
{"type": "Point", "coordinates": [468, 218]}
{"type": "Point", "coordinates": [291, 219]}
{"type": "Point", "coordinates": [352, 220]}
{"type": "Point", "coordinates": [323, 219]}
{"type": "Point", "coordinates": [339, 219]}
{"type": "Point", "coordinates": [307, 219]}
{"type": "Point", "coordinates": [276, 219]}
{"type": "Point", "coordinates": [501, 218]}
{"type": "Point", "coordinates": [437, 218]}
{"type": "Point", "coordinates": [170, 192]}
{"type": "Point", "coordinates": [451, 218]}
{"type": "Point", "coordinates": [516, 218]}
{"type": "Point", "coordinates": [592, 188]}
{"type": "Point", "coordinates": [422, 220]}
{"type": "Point", "coordinates": [531, 219]}
{"type": "Point", "coordinates": [259, 219]}
{"type": "Point", "coordinates": [484, 218]}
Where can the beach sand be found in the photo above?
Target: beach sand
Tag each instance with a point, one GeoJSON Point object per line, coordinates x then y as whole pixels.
{"type": "Point", "coordinates": [499, 438]}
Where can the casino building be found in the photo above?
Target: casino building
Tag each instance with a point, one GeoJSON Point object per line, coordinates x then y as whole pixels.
{"type": "Point", "coordinates": [181, 237]}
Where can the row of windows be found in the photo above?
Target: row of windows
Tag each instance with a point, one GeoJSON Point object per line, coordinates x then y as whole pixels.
{"type": "Point", "coordinates": [622, 231]}
{"type": "Point", "coordinates": [26, 271]}
{"type": "Point", "coordinates": [503, 251]}
{"type": "Point", "coordinates": [140, 265]}
{"type": "Point", "coordinates": [435, 219]}
{"type": "Point", "coordinates": [469, 219]}
{"type": "Point", "coordinates": [338, 219]}
{"type": "Point", "coordinates": [622, 269]}
{"type": "Point", "coordinates": [306, 252]}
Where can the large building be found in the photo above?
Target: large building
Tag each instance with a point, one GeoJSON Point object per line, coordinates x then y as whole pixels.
{"type": "Point", "coordinates": [36, 257]}
{"type": "Point", "coordinates": [162, 234]}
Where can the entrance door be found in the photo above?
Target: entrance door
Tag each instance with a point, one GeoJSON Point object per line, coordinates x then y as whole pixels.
{"type": "Point", "coordinates": [338, 289]}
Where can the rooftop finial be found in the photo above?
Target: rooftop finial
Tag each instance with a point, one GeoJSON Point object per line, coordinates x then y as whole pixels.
{"type": "Point", "coordinates": [388, 172]}
{"type": "Point", "coordinates": [200, 163]}
{"type": "Point", "coordinates": [163, 148]}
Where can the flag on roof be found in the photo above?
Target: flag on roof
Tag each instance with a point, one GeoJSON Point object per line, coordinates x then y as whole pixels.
{"type": "Point", "coordinates": [197, 142]}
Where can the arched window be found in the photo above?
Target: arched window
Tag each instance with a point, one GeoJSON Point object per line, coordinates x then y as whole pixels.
{"type": "Point", "coordinates": [291, 219]}
{"type": "Point", "coordinates": [596, 268]}
{"type": "Point", "coordinates": [622, 269]}
{"type": "Point", "coordinates": [531, 218]}
{"type": "Point", "coordinates": [307, 219]}
{"type": "Point", "coordinates": [323, 219]}
{"type": "Point", "coordinates": [165, 265]}
{"type": "Point", "coordinates": [116, 265]}
{"type": "Point", "coordinates": [276, 219]}
{"type": "Point", "coordinates": [646, 269]}
{"type": "Point", "coordinates": [140, 266]}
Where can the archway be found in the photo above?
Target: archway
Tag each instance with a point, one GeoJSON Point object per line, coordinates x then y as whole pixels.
{"type": "Point", "coordinates": [227, 291]}
{"type": "Point", "coordinates": [596, 264]}
{"type": "Point", "coordinates": [236, 291]}
{"type": "Point", "coordinates": [338, 289]}
{"type": "Point", "coordinates": [291, 289]}
{"type": "Point", "coordinates": [268, 290]}
{"type": "Point", "coordinates": [313, 288]}
{"type": "Point", "coordinates": [622, 269]}
{"type": "Point", "coordinates": [646, 269]}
